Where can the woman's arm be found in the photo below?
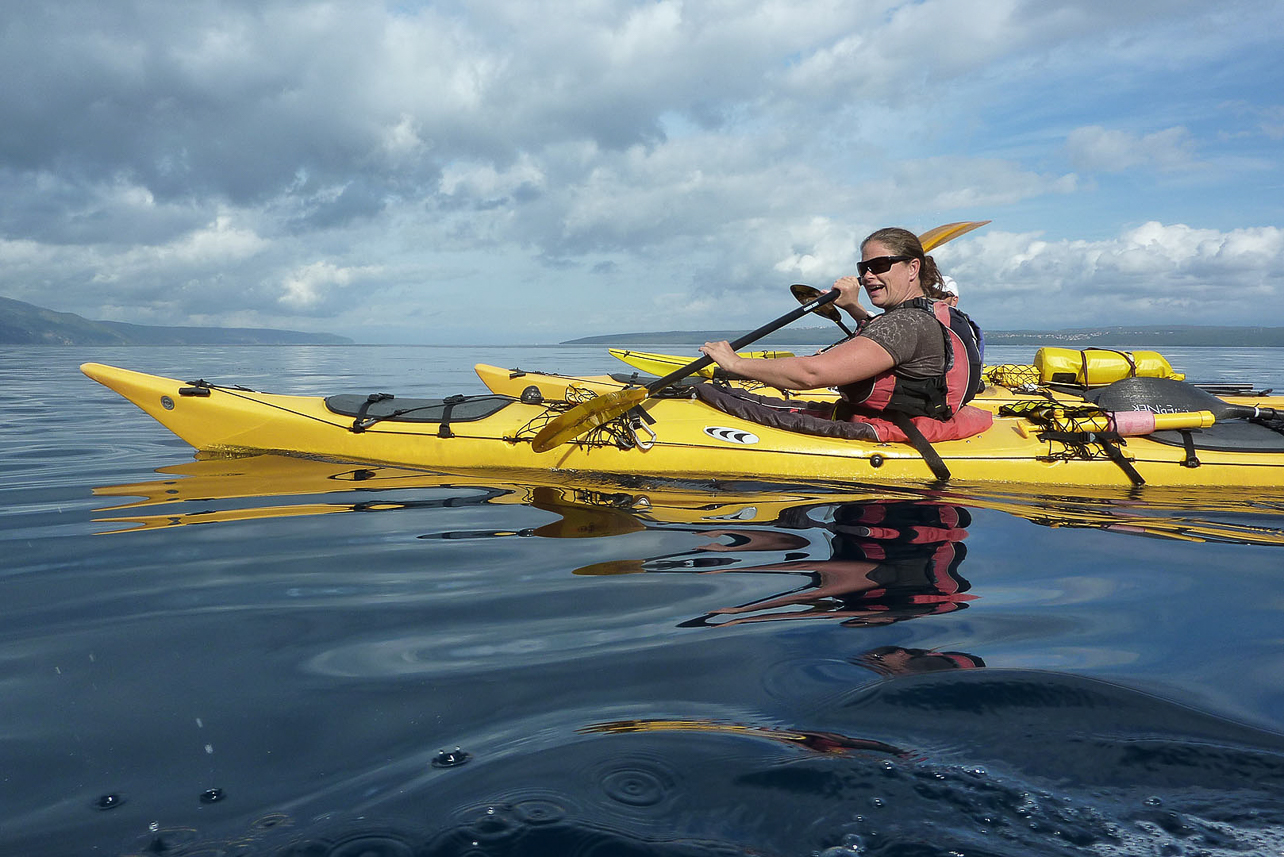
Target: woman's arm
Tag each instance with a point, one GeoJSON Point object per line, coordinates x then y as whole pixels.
{"type": "Point", "coordinates": [845, 363]}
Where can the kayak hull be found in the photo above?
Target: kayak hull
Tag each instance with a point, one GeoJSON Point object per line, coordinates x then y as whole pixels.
{"type": "Point", "coordinates": [691, 441]}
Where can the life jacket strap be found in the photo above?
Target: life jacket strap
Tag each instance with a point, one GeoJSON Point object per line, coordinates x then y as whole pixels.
{"type": "Point", "coordinates": [921, 444]}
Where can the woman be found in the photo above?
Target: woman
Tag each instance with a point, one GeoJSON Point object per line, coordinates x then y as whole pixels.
{"type": "Point", "coordinates": [917, 360]}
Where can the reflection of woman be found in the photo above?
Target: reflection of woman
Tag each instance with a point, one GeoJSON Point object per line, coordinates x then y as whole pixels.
{"type": "Point", "coordinates": [897, 660]}
{"type": "Point", "coordinates": [888, 562]}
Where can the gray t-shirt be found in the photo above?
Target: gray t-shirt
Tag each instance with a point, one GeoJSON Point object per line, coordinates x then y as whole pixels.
{"type": "Point", "coordinates": [913, 338]}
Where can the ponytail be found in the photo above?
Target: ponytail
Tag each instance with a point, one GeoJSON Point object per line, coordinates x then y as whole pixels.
{"type": "Point", "coordinates": [929, 276]}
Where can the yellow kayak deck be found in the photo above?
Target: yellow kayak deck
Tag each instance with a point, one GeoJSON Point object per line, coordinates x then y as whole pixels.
{"type": "Point", "coordinates": [690, 440]}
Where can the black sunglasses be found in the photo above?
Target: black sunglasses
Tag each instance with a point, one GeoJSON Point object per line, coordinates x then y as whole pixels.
{"type": "Point", "coordinates": [879, 264]}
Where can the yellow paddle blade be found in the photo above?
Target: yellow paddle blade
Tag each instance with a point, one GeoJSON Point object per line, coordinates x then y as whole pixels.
{"type": "Point", "coordinates": [587, 416]}
{"type": "Point", "coordinates": [933, 238]}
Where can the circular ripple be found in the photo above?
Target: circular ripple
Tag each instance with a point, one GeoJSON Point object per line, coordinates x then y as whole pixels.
{"type": "Point", "coordinates": [111, 801]}
{"type": "Point", "coordinates": [491, 823]}
{"type": "Point", "coordinates": [373, 845]}
{"type": "Point", "coordinates": [637, 785]}
{"type": "Point", "coordinates": [797, 679]}
{"type": "Point", "coordinates": [539, 811]}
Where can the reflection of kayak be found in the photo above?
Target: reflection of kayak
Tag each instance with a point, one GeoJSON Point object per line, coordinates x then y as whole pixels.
{"type": "Point", "coordinates": [232, 490]}
{"type": "Point", "coordinates": [680, 437]}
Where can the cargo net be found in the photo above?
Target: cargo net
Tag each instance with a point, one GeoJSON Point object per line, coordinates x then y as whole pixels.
{"type": "Point", "coordinates": [724, 381]}
{"type": "Point", "coordinates": [1082, 430]}
{"type": "Point", "coordinates": [1011, 375]}
{"type": "Point", "coordinates": [617, 432]}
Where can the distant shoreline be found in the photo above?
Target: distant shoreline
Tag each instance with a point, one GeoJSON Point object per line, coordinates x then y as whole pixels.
{"type": "Point", "coordinates": [27, 324]}
{"type": "Point", "coordinates": [22, 323]}
{"type": "Point", "coordinates": [1105, 337]}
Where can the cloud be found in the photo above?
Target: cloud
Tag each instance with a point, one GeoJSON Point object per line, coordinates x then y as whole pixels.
{"type": "Point", "coordinates": [1273, 122]}
{"type": "Point", "coordinates": [257, 160]}
{"type": "Point", "coordinates": [220, 243]}
{"type": "Point", "coordinates": [1152, 273]}
{"type": "Point", "coordinates": [1267, 120]}
{"type": "Point", "coordinates": [309, 287]}
{"type": "Point", "coordinates": [1096, 149]}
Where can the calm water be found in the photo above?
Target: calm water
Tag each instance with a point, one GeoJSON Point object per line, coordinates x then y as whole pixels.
{"type": "Point", "coordinates": [272, 656]}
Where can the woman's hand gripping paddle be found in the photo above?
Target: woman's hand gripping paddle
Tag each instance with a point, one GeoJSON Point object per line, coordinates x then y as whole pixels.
{"type": "Point", "coordinates": [602, 409]}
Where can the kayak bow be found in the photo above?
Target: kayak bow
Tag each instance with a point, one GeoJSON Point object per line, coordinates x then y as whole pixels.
{"type": "Point", "coordinates": [686, 439]}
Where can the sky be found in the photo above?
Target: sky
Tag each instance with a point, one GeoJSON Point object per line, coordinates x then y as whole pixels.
{"type": "Point", "coordinates": [528, 172]}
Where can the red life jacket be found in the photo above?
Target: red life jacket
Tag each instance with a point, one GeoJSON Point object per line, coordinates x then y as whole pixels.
{"type": "Point", "coordinates": [938, 397]}
{"type": "Point", "coordinates": [935, 405]}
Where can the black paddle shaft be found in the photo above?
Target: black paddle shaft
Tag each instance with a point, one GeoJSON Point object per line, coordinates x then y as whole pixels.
{"type": "Point", "coordinates": [753, 336]}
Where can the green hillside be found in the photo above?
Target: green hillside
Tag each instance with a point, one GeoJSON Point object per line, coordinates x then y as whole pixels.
{"type": "Point", "coordinates": [27, 324]}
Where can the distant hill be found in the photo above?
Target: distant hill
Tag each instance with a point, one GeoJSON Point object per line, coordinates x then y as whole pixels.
{"type": "Point", "coordinates": [795, 336]}
{"type": "Point", "coordinates": [1133, 335]}
{"type": "Point", "coordinates": [27, 324]}
{"type": "Point", "coordinates": [1157, 335]}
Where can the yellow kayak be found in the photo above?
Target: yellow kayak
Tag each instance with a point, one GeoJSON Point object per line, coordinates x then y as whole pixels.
{"type": "Point", "coordinates": [1074, 368]}
{"type": "Point", "coordinates": [660, 365]}
{"type": "Point", "coordinates": [676, 438]}
{"type": "Point", "coordinates": [554, 387]}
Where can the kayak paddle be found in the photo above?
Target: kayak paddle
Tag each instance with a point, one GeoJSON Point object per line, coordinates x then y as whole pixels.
{"type": "Point", "coordinates": [934, 238]}
{"type": "Point", "coordinates": [602, 409]}
{"type": "Point", "coordinates": [1169, 394]}
{"type": "Point", "coordinates": [809, 293]}
{"type": "Point", "coordinates": [608, 406]}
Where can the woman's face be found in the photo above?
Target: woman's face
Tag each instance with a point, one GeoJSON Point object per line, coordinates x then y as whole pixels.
{"type": "Point", "coordinates": [896, 285]}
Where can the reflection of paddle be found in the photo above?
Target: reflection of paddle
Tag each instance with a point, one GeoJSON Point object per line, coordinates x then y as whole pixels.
{"type": "Point", "coordinates": [580, 521]}
{"type": "Point", "coordinates": [604, 408]}
{"type": "Point", "coordinates": [614, 566]}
